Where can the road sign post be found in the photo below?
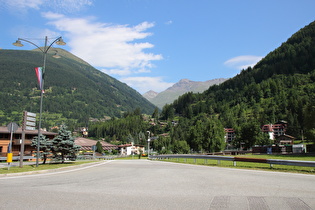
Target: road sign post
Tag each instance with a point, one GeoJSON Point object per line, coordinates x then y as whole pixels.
{"type": "Point", "coordinates": [29, 123]}
{"type": "Point", "coordinates": [12, 127]}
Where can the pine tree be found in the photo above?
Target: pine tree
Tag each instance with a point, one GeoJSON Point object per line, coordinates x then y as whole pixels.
{"type": "Point", "coordinates": [99, 147]}
{"type": "Point", "coordinates": [44, 147]}
{"type": "Point", "coordinates": [63, 145]}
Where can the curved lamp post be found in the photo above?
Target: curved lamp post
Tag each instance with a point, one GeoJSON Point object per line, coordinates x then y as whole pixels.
{"type": "Point", "coordinates": [58, 41]}
{"type": "Point", "coordinates": [149, 139]}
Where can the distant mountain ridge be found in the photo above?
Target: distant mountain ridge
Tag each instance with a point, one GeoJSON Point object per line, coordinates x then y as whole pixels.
{"type": "Point", "coordinates": [178, 89]}
{"type": "Point", "coordinates": [150, 94]}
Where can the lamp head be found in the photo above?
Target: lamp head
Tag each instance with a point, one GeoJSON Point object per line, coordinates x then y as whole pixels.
{"type": "Point", "coordinates": [60, 41]}
{"type": "Point", "coordinates": [18, 43]}
{"type": "Point", "coordinates": [56, 55]}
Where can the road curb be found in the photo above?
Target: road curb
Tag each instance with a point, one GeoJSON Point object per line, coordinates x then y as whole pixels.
{"type": "Point", "coordinates": [53, 170]}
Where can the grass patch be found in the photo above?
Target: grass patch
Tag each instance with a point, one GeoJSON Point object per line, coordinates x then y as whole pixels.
{"type": "Point", "coordinates": [47, 166]}
{"type": "Point", "coordinates": [254, 166]}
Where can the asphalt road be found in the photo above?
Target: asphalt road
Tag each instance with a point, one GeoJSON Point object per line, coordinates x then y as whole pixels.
{"type": "Point", "coordinates": [143, 184]}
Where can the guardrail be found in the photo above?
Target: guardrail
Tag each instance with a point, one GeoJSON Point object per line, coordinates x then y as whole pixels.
{"type": "Point", "coordinates": [91, 157]}
{"type": "Point", "coordinates": [18, 158]}
{"type": "Point", "coordinates": [238, 159]}
{"type": "Point", "coordinates": [104, 157]}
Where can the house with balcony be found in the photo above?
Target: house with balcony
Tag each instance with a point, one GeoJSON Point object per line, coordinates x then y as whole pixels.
{"type": "Point", "coordinates": [5, 136]}
{"type": "Point", "coordinates": [131, 149]}
{"type": "Point", "coordinates": [229, 135]}
{"type": "Point", "coordinates": [275, 130]}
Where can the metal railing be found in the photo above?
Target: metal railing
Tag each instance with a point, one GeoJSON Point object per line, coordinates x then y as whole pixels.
{"type": "Point", "coordinates": [91, 157]}
{"type": "Point", "coordinates": [238, 159]}
{"type": "Point", "coordinates": [18, 158]}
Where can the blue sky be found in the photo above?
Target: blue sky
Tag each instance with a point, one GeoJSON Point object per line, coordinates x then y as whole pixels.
{"type": "Point", "coordinates": [152, 44]}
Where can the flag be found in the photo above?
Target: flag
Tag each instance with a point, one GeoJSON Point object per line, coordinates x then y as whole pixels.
{"type": "Point", "coordinates": [39, 75]}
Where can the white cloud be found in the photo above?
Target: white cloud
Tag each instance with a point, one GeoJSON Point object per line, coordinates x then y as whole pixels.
{"type": "Point", "coordinates": [242, 62]}
{"type": "Point", "coordinates": [68, 6]}
{"type": "Point", "coordinates": [169, 22]}
{"type": "Point", "coordinates": [20, 6]}
{"type": "Point", "coordinates": [53, 5]}
{"type": "Point", "coordinates": [110, 47]}
{"type": "Point", "coordinates": [144, 84]}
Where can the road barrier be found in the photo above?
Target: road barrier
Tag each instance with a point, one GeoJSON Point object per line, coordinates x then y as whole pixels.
{"type": "Point", "coordinates": [237, 159]}
{"type": "Point", "coordinates": [18, 158]}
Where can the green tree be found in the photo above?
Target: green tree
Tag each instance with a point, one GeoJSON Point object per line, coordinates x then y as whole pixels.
{"type": "Point", "coordinates": [129, 138]}
{"type": "Point", "coordinates": [263, 139]}
{"type": "Point", "coordinates": [181, 147]}
{"type": "Point", "coordinates": [44, 146]}
{"type": "Point", "coordinates": [63, 145]}
{"type": "Point", "coordinates": [162, 145]}
{"type": "Point", "coordinates": [168, 112]}
{"type": "Point", "coordinates": [99, 147]}
{"type": "Point", "coordinates": [213, 136]}
{"type": "Point", "coordinates": [196, 136]}
{"type": "Point", "coordinates": [249, 134]}
{"type": "Point", "coordinates": [309, 123]}
{"type": "Point", "coordinates": [155, 114]}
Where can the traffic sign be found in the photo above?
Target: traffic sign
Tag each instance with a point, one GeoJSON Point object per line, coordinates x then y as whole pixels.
{"type": "Point", "coordinates": [29, 128]}
{"type": "Point", "coordinates": [29, 120]}
{"type": "Point", "coordinates": [33, 119]}
{"type": "Point", "coordinates": [12, 127]}
{"type": "Point", "coordinates": [29, 123]}
{"type": "Point", "coordinates": [30, 114]}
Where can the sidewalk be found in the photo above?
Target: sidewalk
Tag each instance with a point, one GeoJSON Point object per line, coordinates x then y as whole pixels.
{"type": "Point", "coordinates": [66, 168]}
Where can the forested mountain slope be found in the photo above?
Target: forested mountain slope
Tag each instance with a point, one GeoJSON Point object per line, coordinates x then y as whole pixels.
{"type": "Point", "coordinates": [280, 87]}
{"type": "Point", "coordinates": [74, 91]}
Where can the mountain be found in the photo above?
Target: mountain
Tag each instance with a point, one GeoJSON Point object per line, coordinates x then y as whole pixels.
{"type": "Point", "coordinates": [75, 92]}
{"type": "Point", "coordinates": [279, 87]}
{"type": "Point", "coordinates": [150, 94]}
{"type": "Point", "coordinates": [178, 89]}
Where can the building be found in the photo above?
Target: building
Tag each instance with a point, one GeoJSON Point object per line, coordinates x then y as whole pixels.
{"type": "Point", "coordinates": [275, 130]}
{"type": "Point", "coordinates": [229, 135]}
{"type": "Point", "coordinates": [131, 149]}
{"type": "Point", "coordinates": [5, 136]}
{"type": "Point", "coordinates": [284, 140]}
{"type": "Point", "coordinates": [87, 144]}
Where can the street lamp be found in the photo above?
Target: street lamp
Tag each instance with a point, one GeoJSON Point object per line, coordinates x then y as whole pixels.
{"type": "Point", "coordinates": [148, 143]}
{"type": "Point", "coordinates": [58, 41]}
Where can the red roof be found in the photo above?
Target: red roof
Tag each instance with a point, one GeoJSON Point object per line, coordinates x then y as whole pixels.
{"type": "Point", "coordinates": [229, 130]}
{"type": "Point", "coordinates": [87, 144]}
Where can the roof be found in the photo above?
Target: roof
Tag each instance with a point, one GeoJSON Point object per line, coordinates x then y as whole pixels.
{"type": "Point", "coordinates": [4, 129]}
{"type": "Point", "coordinates": [87, 144]}
{"type": "Point", "coordinates": [229, 130]}
{"type": "Point", "coordinates": [130, 145]}
{"type": "Point", "coordinates": [285, 135]}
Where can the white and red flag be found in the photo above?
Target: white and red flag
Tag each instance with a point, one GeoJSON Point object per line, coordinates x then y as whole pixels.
{"type": "Point", "coordinates": [39, 75]}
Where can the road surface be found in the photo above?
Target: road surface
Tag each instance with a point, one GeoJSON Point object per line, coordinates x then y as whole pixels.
{"type": "Point", "coordinates": [143, 184]}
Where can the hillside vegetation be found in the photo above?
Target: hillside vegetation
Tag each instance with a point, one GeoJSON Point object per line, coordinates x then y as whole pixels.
{"type": "Point", "coordinates": [75, 92]}
{"type": "Point", "coordinates": [280, 87]}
